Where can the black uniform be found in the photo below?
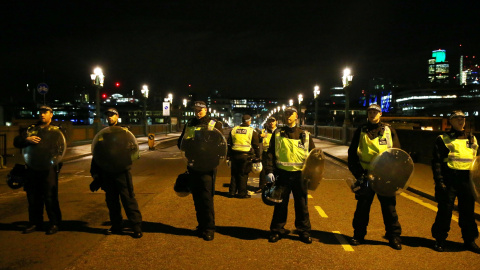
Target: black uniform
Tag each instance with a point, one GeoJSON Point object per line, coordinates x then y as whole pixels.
{"type": "Point", "coordinates": [293, 184]}
{"type": "Point", "coordinates": [241, 163]}
{"type": "Point", "coordinates": [202, 185]}
{"type": "Point", "coordinates": [364, 201]}
{"type": "Point", "coordinates": [451, 184]}
{"type": "Point", "coordinates": [41, 188]}
{"type": "Point", "coordinates": [118, 186]}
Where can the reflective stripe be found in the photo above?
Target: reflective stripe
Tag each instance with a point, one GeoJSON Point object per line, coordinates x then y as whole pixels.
{"type": "Point", "coordinates": [289, 163]}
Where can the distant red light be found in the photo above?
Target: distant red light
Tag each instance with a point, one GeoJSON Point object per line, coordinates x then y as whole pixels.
{"type": "Point", "coordinates": [189, 85]}
{"type": "Point", "coordinates": [104, 95]}
{"type": "Point", "coordinates": [117, 84]}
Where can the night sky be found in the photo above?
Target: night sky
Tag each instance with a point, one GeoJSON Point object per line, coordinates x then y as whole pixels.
{"type": "Point", "coordinates": [241, 48]}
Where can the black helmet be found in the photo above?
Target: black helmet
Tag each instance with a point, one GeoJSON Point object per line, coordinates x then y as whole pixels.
{"type": "Point", "coordinates": [15, 178]}
{"type": "Point", "coordinates": [181, 185]}
{"type": "Point", "coordinates": [273, 193]}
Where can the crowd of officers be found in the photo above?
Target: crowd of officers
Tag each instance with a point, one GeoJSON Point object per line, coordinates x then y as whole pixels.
{"type": "Point", "coordinates": [282, 153]}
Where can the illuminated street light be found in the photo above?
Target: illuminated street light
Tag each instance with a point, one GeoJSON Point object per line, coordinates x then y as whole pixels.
{"type": "Point", "coordinates": [290, 102]}
{"type": "Point", "coordinates": [300, 99]}
{"type": "Point", "coordinates": [97, 79]}
{"type": "Point", "coordinates": [316, 93]}
{"type": "Point", "coordinates": [346, 80]}
{"type": "Point", "coordinates": [145, 97]}
{"type": "Point", "coordinates": [185, 109]}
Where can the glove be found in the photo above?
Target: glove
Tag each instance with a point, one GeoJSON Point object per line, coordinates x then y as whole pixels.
{"type": "Point", "coordinates": [95, 185]}
{"type": "Point", "coordinates": [270, 178]}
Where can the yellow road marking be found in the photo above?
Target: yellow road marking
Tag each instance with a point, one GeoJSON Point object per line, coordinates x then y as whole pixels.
{"type": "Point", "coordinates": [343, 241]}
{"type": "Point", "coordinates": [321, 212]}
{"type": "Point", "coordinates": [427, 205]}
{"type": "Point", "coordinates": [310, 196]}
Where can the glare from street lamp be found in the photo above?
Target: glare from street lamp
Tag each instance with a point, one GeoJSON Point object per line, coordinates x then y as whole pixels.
{"type": "Point", "coordinates": [283, 107]}
{"type": "Point", "coordinates": [300, 98]}
{"type": "Point", "coordinates": [170, 97]}
{"type": "Point", "coordinates": [290, 102]}
{"type": "Point", "coordinates": [145, 91]}
{"type": "Point", "coordinates": [316, 91]}
{"type": "Point", "coordinates": [347, 77]}
{"type": "Point", "coordinates": [185, 102]}
{"type": "Point", "coordinates": [97, 76]}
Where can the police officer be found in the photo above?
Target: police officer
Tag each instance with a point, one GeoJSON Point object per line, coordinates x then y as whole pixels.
{"type": "Point", "coordinates": [370, 140]}
{"type": "Point", "coordinates": [202, 184]}
{"type": "Point", "coordinates": [117, 186]}
{"type": "Point", "coordinates": [453, 155]}
{"type": "Point", "coordinates": [243, 150]}
{"type": "Point", "coordinates": [266, 135]}
{"type": "Point", "coordinates": [41, 186]}
{"type": "Point", "coordinates": [286, 155]}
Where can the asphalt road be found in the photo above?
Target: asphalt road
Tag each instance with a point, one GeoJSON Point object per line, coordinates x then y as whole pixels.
{"type": "Point", "coordinates": [242, 228]}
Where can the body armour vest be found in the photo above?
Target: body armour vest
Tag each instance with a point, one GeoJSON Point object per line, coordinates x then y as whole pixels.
{"type": "Point", "coordinates": [242, 138]}
{"type": "Point", "coordinates": [368, 148]}
{"type": "Point", "coordinates": [462, 152]}
{"type": "Point", "coordinates": [291, 153]}
{"type": "Point", "coordinates": [266, 140]}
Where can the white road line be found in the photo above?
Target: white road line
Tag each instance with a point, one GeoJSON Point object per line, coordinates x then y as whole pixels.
{"type": "Point", "coordinates": [321, 212]}
{"type": "Point", "coordinates": [427, 205]}
{"type": "Point", "coordinates": [342, 241]}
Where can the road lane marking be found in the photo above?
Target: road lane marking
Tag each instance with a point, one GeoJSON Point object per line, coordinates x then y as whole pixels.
{"type": "Point", "coordinates": [321, 212]}
{"type": "Point", "coordinates": [343, 241]}
{"type": "Point", "coordinates": [427, 205]}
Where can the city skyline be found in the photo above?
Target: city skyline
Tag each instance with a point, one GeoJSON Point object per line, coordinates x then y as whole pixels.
{"type": "Point", "coordinates": [238, 48]}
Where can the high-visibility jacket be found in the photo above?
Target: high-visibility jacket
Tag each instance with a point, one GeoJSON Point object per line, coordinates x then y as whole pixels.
{"type": "Point", "coordinates": [462, 152]}
{"type": "Point", "coordinates": [190, 130]}
{"type": "Point", "coordinates": [291, 153]}
{"type": "Point", "coordinates": [368, 149]}
{"type": "Point", "coordinates": [266, 139]}
{"type": "Point", "coordinates": [242, 138]}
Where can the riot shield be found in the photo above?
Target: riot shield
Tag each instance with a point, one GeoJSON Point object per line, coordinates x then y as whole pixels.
{"type": "Point", "coordinates": [202, 148]}
{"type": "Point", "coordinates": [312, 171]}
{"type": "Point", "coordinates": [48, 152]}
{"type": "Point", "coordinates": [475, 178]}
{"type": "Point", "coordinates": [114, 149]}
{"type": "Point", "coordinates": [391, 171]}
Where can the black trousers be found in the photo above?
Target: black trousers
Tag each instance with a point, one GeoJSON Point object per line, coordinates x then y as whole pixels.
{"type": "Point", "coordinates": [456, 188]}
{"type": "Point", "coordinates": [119, 187]}
{"type": "Point", "coordinates": [262, 176]}
{"type": "Point", "coordinates": [362, 215]}
{"type": "Point", "coordinates": [241, 166]}
{"type": "Point", "coordinates": [202, 186]}
{"type": "Point", "coordinates": [292, 181]}
{"type": "Point", "coordinates": [42, 190]}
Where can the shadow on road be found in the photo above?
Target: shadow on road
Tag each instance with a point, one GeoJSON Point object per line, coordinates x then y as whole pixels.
{"type": "Point", "coordinates": [413, 241]}
{"type": "Point", "coordinates": [330, 239]}
{"type": "Point", "coordinates": [66, 225]}
{"type": "Point", "coordinates": [242, 232]}
{"type": "Point", "coordinates": [157, 227]}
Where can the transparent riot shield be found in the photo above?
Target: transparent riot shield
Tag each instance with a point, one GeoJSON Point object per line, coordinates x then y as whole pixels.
{"type": "Point", "coordinates": [48, 152]}
{"type": "Point", "coordinates": [202, 148]}
{"type": "Point", "coordinates": [114, 149]}
{"type": "Point", "coordinates": [391, 171]}
{"type": "Point", "coordinates": [312, 171]}
{"type": "Point", "coordinates": [475, 178]}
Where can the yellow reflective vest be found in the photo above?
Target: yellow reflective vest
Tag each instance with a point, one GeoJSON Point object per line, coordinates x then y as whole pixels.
{"type": "Point", "coordinates": [461, 154]}
{"type": "Point", "coordinates": [291, 153]}
{"type": "Point", "coordinates": [368, 149]}
{"type": "Point", "coordinates": [266, 139]}
{"type": "Point", "coordinates": [242, 138]}
{"type": "Point", "coordinates": [190, 130]}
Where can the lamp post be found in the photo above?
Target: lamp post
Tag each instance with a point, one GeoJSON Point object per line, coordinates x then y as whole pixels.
{"type": "Point", "coordinates": [185, 109]}
{"type": "Point", "coordinates": [316, 93]}
{"type": "Point", "coordinates": [346, 80]}
{"type": "Point", "coordinates": [300, 99]}
{"type": "Point", "coordinates": [97, 79]}
{"type": "Point", "coordinates": [290, 102]}
{"type": "Point", "coordinates": [145, 97]}
{"type": "Point", "coordinates": [170, 98]}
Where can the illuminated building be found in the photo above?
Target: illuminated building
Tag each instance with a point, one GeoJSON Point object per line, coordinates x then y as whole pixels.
{"type": "Point", "coordinates": [438, 67]}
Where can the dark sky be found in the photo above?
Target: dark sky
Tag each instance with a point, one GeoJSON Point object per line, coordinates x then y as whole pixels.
{"type": "Point", "coordinates": [241, 48]}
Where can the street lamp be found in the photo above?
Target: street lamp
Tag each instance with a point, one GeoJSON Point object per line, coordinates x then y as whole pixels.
{"type": "Point", "coordinates": [316, 93]}
{"type": "Point", "coordinates": [97, 79]}
{"type": "Point", "coordinates": [185, 109]}
{"type": "Point", "coordinates": [170, 98]}
{"type": "Point", "coordinates": [346, 80]}
{"type": "Point", "coordinates": [145, 97]}
{"type": "Point", "coordinates": [290, 102]}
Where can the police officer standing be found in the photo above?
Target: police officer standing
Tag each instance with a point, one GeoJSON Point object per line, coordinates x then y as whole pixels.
{"type": "Point", "coordinates": [453, 155]}
{"type": "Point", "coordinates": [370, 140]}
{"type": "Point", "coordinates": [41, 186]}
{"type": "Point", "coordinates": [202, 184]}
{"type": "Point", "coordinates": [117, 186]}
{"type": "Point", "coordinates": [286, 155]}
{"type": "Point", "coordinates": [243, 150]}
{"type": "Point", "coordinates": [266, 135]}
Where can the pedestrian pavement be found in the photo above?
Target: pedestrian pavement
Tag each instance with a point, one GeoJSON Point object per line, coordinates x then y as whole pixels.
{"type": "Point", "coordinates": [422, 182]}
